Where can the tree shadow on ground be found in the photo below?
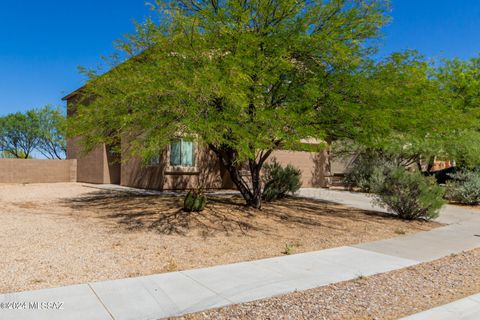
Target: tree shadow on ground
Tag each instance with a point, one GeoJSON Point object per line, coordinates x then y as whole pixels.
{"type": "Point", "coordinates": [163, 213]}
{"type": "Point", "coordinates": [313, 212]}
{"type": "Point", "coordinates": [225, 214]}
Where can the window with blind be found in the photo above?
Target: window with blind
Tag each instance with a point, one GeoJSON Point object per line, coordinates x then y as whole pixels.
{"type": "Point", "coordinates": [182, 153]}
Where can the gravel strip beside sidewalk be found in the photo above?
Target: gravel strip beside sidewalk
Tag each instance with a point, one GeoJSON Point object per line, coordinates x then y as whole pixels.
{"type": "Point", "coordinates": [385, 296]}
{"type": "Point", "coordinates": [465, 309]}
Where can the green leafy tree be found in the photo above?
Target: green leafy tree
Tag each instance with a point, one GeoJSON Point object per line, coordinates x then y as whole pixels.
{"type": "Point", "coordinates": [51, 132]}
{"type": "Point", "coordinates": [8, 155]}
{"type": "Point", "coordinates": [461, 81]}
{"type": "Point", "coordinates": [19, 134]}
{"type": "Point", "coordinates": [242, 77]}
{"type": "Point", "coordinates": [403, 112]}
{"type": "Point", "coordinates": [40, 130]}
{"type": "Point", "coordinates": [460, 84]}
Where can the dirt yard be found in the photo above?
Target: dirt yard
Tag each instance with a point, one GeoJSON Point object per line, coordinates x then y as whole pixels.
{"type": "Point", "coordinates": [60, 234]}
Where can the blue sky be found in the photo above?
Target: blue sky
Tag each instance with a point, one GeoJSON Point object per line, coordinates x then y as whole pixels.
{"type": "Point", "coordinates": [43, 42]}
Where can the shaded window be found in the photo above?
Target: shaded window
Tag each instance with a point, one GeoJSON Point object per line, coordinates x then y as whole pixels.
{"type": "Point", "coordinates": [182, 153]}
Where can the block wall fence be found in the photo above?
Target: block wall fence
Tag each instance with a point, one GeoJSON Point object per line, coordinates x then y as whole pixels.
{"type": "Point", "coordinates": [37, 171]}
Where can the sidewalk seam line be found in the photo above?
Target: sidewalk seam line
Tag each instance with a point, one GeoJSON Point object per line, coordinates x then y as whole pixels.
{"type": "Point", "coordinates": [210, 289]}
{"type": "Point", "coordinates": [104, 306]}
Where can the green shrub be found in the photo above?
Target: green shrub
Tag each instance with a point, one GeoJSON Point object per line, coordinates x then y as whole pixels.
{"type": "Point", "coordinates": [464, 188]}
{"type": "Point", "coordinates": [279, 181]}
{"type": "Point", "coordinates": [367, 172]}
{"type": "Point", "coordinates": [410, 195]}
{"type": "Point", "coordinates": [194, 201]}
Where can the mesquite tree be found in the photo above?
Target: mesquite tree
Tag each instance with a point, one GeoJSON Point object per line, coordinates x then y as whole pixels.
{"type": "Point", "coordinates": [34, 131]}
{"type": "Point", "coordinates": [19, 134]}
{"type": "Point", "coordinates": [51, 132]}
{"type": "Point", "coordinates": [243, 77]}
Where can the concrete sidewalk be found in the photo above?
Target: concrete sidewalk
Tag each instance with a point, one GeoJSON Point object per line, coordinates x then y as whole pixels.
{"type": "Point", "coordinates": [464, 309]}
{"type": "Point", "coordinates": [461, 233]}
{"type": "Point", "coordinates": [177, 293]}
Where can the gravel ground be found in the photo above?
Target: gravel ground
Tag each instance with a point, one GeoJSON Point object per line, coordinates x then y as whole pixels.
{"type": "Point", "coordinates": [60, 234]}
{"type": "Point", "coordinates": [389, 295]}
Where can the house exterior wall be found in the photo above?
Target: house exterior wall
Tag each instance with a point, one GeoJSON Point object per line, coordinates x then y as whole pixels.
{"type": "Point", "coordinates": [96, 167]}
{"type": "Point", "coordinates": [314, 166]}
{"type": "Point", "coordinates": [91, 167]}
{"type": "Point", "coordinates": [206, 174]}
{"type": "Point", "coordinates": [37, 171]}
{"type": "Point", "coordinates": [209, 173]}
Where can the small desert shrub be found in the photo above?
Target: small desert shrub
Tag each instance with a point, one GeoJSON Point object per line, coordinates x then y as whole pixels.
{"type": "Point", "coordinates": [280, 181]}
{"type": "Point", "coordinates": [195, 201]}
{"type": "Point", "coordinates": [464, 187]}
{"type": "Point", "coordinates": [410, 195]}
{"type": "Point", "coordinates": [289, 248]}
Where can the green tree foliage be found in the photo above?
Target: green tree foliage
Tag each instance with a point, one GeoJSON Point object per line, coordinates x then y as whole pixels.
{"type": "Point", "coordinates": [242, 77]}
{"type": "Point", "coordinates": [367, 170]}
{"type": "Point", "coordinates": [19, 134]}
{"type": "Point", "coordinates": [8, 155]}
{"type": "Point", "coordinates": [39, 130]}
{"type": "Point", "coordinates": [460, 84]}
{"type": "Point", "coordinates": [461, 79]}
{"type": "Point", "coordinates": [405, 103]}
{"type": "Point", "coordinates": [415, 114]}
{"type": "Point", "coordinates": [51, 132]}
{"type": "Point", "coordinates": [248, 77]}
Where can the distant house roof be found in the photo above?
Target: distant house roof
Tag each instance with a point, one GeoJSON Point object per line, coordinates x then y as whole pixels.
{"type": "Point", "coordinates": [72, 94]}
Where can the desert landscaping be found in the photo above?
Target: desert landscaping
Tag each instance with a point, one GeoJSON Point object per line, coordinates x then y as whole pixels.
{"type": "Point", "coordinates": [253, 159]}
{"type": "Point", "coordinates": [69, 233]}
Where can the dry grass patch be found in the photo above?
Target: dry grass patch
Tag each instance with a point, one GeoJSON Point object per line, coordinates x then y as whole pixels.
{"type": "Point", "coordinates": [59, 234]}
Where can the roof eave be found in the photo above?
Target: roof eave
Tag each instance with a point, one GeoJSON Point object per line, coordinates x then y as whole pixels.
{"type": "Point", "coordinates": [72, 94]}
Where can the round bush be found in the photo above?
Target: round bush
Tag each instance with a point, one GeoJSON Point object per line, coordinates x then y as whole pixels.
{"type": "Point", "coordinates": [464, 188]}
{"type": "Point", "coordinates": [279, 181]}
{"type": "Point", "coordinates": [367, 172]}
{"type": "Point", "coordinates": [410, 195]}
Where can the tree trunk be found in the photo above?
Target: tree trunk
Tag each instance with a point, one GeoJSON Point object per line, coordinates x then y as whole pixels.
{"type": "Point", "coordinates": [256, 184]}
{"type": "Point", "coordinates": [251, 192]}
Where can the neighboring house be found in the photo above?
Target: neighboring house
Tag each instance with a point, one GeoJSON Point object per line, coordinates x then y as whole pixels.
{"type": "Point", "coordinates": [439, 165]}
{"type": "Point", "coordinates": [183, 165]}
